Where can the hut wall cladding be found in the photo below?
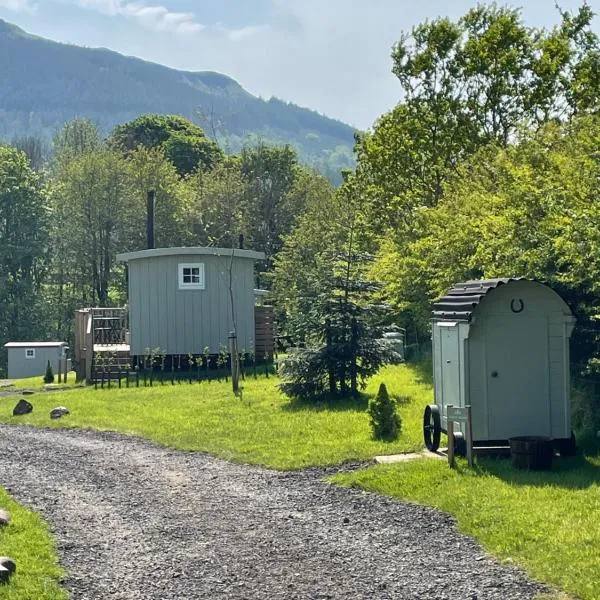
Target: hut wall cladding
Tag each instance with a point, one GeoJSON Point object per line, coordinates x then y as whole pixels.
{"type": "Point", "coordinates": [545, 311]}
{"type": "Point", "coordinates": [188, 321]}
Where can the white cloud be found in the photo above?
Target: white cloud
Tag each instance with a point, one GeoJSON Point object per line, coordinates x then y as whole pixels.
{"type": "Point", "coordinates": [19, 5]}
{"type": "Point", "coordinates": [153, 17]}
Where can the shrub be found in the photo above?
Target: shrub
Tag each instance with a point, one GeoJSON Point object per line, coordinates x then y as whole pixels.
{"type": "Point", "coordinates": [385, 421]}
{"type": "Point", "coordinates": [49, 376]}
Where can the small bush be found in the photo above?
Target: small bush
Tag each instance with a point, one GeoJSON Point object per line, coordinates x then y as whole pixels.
{"type": "Point", "coordinates": [385, 421]}
{"type": "Point", "coordinates": [49, 376]}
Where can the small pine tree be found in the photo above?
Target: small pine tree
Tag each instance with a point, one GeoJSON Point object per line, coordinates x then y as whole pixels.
{"type": "Point", "coordinates": [385, 421]}
{"type": "Point", "coordinates": [49, 376]}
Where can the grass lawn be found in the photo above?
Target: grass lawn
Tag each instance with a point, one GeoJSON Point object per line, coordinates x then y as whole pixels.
{"type": "Point", "coordinates": [37, 383]}
{"type": "Point", "coordinates": [264, 428]}
{"type": "Point", "coordinates": [26, 539]}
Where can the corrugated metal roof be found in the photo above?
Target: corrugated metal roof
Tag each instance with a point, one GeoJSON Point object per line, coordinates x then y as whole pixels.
{"type": "Point", "coordinates": [34, 344]}
{"type": "Point", "coordinates": [462, 298]}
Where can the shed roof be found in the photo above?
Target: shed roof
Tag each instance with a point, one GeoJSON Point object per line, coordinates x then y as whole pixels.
{"type": "Point", "coordinates": [192, 250]}
{"type": "Point", "coordinates": [34, 344]}
{"type": "Point", "coordinates": [463, 298]}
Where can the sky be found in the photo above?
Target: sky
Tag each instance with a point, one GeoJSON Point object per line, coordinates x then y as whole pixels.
{"type": "Point", "coordinates": [328, 55]}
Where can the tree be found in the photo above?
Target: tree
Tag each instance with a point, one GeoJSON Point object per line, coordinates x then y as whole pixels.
{"type": "Point", "coordinates": [182, 142]}
{"type": "Point", "coordinates": [95, 191]}
{"type": "Point", "coordinates": [528, 210]}
{"type": "Point", "coordinates": [466, 84]}
{"type": "Point", "coordinates": [332, 302]}
{"type": "Point", "coordinates": [269, 174]}
{"type": "Point", "coordinates": [34, 148]}
{"type": "Point", "coordinates": [76, 138]}
{"type": "Point", "coordinates": [23, 245]}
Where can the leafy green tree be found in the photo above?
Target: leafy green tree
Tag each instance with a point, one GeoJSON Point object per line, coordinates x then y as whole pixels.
{"type": "Point", "coordinates": [528, 210]}
{"type": "Point", "coordinates": [330, 302]}
{"type": "Point", "coordinates": [183, 142]}
{"type": "Point", "coordinates": [269, 174]}
{"type": "Point", "coordinates": [76, 138]}
{"type": "Point", "coordinates": [467, 84]}
{"type": "Point", "coordinates": [149, 169]}
{"type": "Point", "coordinates": [95, 191]}
{"type": "Point", "coordinates": [218, 216]}
{"type": "Point", "coordinates": [34, 148]}
{"type": "Point", "coordinates": [23, 245]}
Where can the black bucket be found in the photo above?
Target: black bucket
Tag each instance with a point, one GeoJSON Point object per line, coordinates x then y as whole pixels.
{"type": "Point", "coordinates": [532, 452]}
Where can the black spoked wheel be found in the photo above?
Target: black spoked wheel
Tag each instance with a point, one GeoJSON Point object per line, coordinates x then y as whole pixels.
{"type": "Point", "coordinates": [432, 427]}
{"type": "Point", "coordinates": [567, 446]}
{"type": "Point", "coordinates": [460, 444]}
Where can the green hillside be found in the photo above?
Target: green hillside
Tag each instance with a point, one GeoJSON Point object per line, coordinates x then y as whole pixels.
{"type": "Point", "coordinates": [45, 84]}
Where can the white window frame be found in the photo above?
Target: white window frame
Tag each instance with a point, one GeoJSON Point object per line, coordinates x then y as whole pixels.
{"type": "Point", "coordinates": [196, 285]}
{"type": "Point", "coordinates": [30, 353]}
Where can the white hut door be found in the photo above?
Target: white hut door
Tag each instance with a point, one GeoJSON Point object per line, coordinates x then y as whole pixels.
{"type": "Point", "coordinates": [517, 376]}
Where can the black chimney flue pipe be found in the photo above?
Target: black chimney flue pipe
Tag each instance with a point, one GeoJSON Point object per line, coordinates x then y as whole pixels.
{"type": "Point", "coordinates": [150, 220]}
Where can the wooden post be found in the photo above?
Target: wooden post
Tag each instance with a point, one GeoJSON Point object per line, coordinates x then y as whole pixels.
{"type": "Point", "coordinates": [469, 436]}
{"type": "Point", "coordinates": [60, 370]}
{"type": "Point", "coordinates": [234, 359]}
{"type": "Point", "coordinates": [450, 428]}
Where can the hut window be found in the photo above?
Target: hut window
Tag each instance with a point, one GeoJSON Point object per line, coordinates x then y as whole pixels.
{"type": "Point", "coordinates": [191, 276]}
{"type": "Point", "coordinates": [30, 353]}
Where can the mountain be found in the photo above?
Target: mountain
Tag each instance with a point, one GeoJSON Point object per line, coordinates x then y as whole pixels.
{"type": "Point", "coordinates": [44, 84]}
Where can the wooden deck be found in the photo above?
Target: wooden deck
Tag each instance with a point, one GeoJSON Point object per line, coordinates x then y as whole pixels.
{"type": "Point", "coordinates": [112, 348]}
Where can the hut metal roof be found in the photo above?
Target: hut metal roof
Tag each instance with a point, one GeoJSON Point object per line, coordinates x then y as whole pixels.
{"type": "Point", "coordinates": [196, 250]}
{"type": "Point", "coordinates": [463, 298]}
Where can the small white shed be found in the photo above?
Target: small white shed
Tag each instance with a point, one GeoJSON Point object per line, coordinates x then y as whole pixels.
{"type": "Point", "coordinates": [502, 346]}
{"type": "Point", "coordinates": [29, 359]}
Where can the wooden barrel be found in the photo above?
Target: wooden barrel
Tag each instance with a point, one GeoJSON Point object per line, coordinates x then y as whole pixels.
{"type": "Point", "coordinates": [531, 452]}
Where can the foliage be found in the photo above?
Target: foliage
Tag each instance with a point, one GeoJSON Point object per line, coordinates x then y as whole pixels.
{"type": "Point", "coordinates": [23, 239]}
{"type": "Point", "coordinates": [465, 85]}
{"type": "Point", "coordinates": [266, 429]}
{"type": "Point", "coordinates": [528, 210]}
{"type": "Point", "coordinates": [269, 174]}
{"type": "Point", "coordinates": [332, 302]}
{"type": "Point", "coordinates": [182, 142]}
{"type": "Point", "coordinates": [545, 522]}
{"type": "Point", "coordinates": [49, 375]}
{"type": "Point", "coordinates": [384, 418]}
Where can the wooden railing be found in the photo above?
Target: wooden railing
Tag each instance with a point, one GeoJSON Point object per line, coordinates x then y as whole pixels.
{"type": "Point", "coordinates": [96, 327]}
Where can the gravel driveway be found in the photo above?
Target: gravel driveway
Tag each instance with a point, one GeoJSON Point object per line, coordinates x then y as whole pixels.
{"type": "Point", "coordinates": [133, 520]}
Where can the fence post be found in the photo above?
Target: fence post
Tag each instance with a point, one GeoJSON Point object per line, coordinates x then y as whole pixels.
{"type": "Point", "coordinates": [234, 359]}
{"type": "Point", "coordinates": [469, 437]}
{"type": "Point", "coordinates": [450, 428]}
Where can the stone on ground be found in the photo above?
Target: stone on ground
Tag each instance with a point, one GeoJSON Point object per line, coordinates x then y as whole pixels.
{"type": "Point", "coordinates": [7, 568]}
{"type": "Point", "coordinates": [22, 408]}
{"type": "Point", "coordinates": [58, 412]}
{"type": "Point", "coordinates": [4, 517]}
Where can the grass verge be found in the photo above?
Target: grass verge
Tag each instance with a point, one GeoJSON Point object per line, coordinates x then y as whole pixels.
{"type": "Point", "coordinates": [264, 428]}
{"type": "Point", "coordinates": [26, 539]}
{"type": "Point", "coordinates": [37, 383]}
{"type": "Point", "coordinates": [546, 522]}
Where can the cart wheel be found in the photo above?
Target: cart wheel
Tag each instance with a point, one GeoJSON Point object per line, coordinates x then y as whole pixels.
{"type": "Point", "coordinates": [432, 427]}
{"type": "Point", "coordinates": [567, 446]}
{"type": "Point", "coordinates": [460, 444]}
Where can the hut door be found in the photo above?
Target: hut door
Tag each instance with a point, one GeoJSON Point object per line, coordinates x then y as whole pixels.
{"type": "Point", "coordinates": [517, 376]}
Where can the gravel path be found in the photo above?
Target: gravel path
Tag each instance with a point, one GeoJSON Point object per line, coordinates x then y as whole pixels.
{"type": "Point", "coordinates": [133, 520]}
